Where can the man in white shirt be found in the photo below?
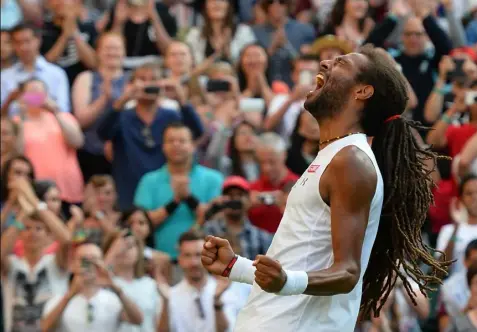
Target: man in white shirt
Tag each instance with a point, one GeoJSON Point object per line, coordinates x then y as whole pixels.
{"type": "Point", "coordinates": [87, 306]}
{"type": "Point", "coordinates": [455, 291]}
{"type": "Point", "coordinates": [26, 43]}
{"type": "Point", "coordinates": [200, 302]}
{"type": "Point", "coordinates": [334, 254]}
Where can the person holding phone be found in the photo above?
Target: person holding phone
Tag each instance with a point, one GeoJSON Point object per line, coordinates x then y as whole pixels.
{"type": "Point", "coordinates": [227, 218]}
{"type": "Point", "coordinates": [93, 301]}
{"type": "Point", "coordinates": [51, 139]}
{"type": "Point", "coordinates": [137, 131]}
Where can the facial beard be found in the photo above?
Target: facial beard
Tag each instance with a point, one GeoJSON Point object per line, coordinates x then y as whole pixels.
{"type": "Point", "coordinates": [330, 100]}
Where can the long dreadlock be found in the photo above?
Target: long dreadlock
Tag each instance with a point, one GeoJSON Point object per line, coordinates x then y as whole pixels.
{"type": "Point", "coordinates": [398, 249]}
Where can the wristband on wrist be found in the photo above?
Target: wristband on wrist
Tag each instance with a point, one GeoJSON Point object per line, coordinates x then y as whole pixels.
{"type": "Point", "coordinates": [171, 207]}
{"type": "Point", "coordinates": [439, 91]}
{"type": "Point", "coordinates": [42, 206]}
{"type": "Point", "coordinates": [243, 271]}
{"type": "Point", "coordinates": [446, 119]}
{"type": "Point", "coordinates": [296, 283]}
{"type": "Point", "coordinates": [192, 202]}
{"type": "Point", "coordinates": [18, 225]}
{"type": "Point", "coordinates": [229, 267]}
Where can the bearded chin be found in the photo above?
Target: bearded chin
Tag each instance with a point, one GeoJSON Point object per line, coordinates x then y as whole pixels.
{"type": "Point", "coordinates": [330, 101]}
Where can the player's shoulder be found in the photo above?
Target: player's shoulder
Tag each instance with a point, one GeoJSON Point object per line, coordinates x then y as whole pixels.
{"type": "Point", "coordinates": [351, 158]}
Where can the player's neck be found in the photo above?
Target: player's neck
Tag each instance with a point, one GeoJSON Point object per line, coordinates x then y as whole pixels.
{"type": "Point", "coordinates": [332, 128]}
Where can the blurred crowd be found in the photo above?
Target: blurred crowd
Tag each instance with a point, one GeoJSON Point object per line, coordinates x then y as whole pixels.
{"type": "Point", "coordinates": [130, 129]}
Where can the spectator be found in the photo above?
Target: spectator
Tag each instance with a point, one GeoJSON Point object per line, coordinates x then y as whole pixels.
{"type": "Point", "coordinates": [31, 280]}
{"type": "Point", "coordinates": [199, 297]}
{"type": "Point", "coordinates": [329, 47]}
{"type": "Point", "coordinates": [7, 57]}
{"type": "Point", "coordinates": [14, 168]}
{"type": "Point", "coordinates": [284, 110]}
{"type": "Point", "coordinates": [241, 160]}
{"type": "Point", "coordinates": [455, 291]}
{"type": "Point", "coordinates": [454, 238]}
{"type": "Point", "coordinates": [304, 143]}
{"type": "Point", "coordinates": [124, 253]}
{"type": "Point", "coordinates": [93, 92]}
{"type": "Point", "coordinates": [147, 27]}
{"type": "Point", "coordinates": [67, 41]}
{"type": "Point", "coordinates": [10, 140]}
{"type": "Point", "coordinates": [178, 60]}
{"type": "Point", "coordinates": [86, 305]}
{"type": "Point", "coordinates": [220, 34]}
{"type": "Point", "coordinates": [283, 38]}
{"type": "Point", "coordinates": [467, 322]}
{"type": "Point", "coordinates": [227, 218]}
{"type": "Point", "coordinates": [467, 161]}
{"type": "Point", "coordinates": [446, 134]}
{"type": "Point", "coordinates": [26, 43]}
{"type": "Point", "coordinates": [186, 188]}
{"type": "Point", "coordinates": [15, 11]}
{"type": "Point", "coordinates": [418, 63]}
{"type": "Point", "coordinates": [253, 73]}
{"type": "Point", "coordinates": [136, 133]}
{"type": "Point", "coordinates": [157, 263]}
{"type": "Point", "coordinates": [267, 196]}
{"type": "Point", "coordinates": [51, 138]}
{"type": "Point", "coordinates": [442, 96]}
{"type": "Point", "coordinates": [100, 196]}
{"type": "Point", "coordinates": [350, 21]}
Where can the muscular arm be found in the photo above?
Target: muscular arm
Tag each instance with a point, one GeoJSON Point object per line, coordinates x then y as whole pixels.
{"type": "Point", "coordinates": [348, 184]}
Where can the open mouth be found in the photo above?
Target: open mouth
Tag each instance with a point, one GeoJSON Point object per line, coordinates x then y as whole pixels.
{"type": "Point", "coordinates": [320, 80]}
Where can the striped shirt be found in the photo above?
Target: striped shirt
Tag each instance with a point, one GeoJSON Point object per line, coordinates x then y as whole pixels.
{"type": "Point", "coordinates": [249, 243]}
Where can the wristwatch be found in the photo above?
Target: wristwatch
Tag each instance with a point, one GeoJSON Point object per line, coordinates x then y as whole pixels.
{"type": "Point", "coordinates": [42, 206]}
{"type": "Point", "coordinates": [218, 306]}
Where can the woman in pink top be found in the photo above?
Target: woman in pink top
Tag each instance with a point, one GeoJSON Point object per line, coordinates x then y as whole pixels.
{"type": "Point", "coordinates": [51, 138]}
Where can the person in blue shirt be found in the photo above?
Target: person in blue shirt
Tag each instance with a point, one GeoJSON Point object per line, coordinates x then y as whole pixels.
{"type": "Point", "coordinates": [136, 132]}
{"type": "Point", "coordinates": [177, 195]}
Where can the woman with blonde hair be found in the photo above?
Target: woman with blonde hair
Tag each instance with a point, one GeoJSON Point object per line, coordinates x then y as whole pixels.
{"type": "Point", "coordinates": [92, 94]}
{"type": "Point", "coordinates": [124, 255]}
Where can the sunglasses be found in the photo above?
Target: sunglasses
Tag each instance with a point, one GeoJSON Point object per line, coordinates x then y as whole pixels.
{"type": "Point", "coordinates": [90, 313]}
{"type": "Point", "coordinates": [148, 138]}
{"type": "Point", "coordinates": [270, 2]}
{"type": "Point", "coordinates": [200, 308]}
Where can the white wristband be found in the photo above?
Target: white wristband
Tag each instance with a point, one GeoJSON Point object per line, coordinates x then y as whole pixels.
{"type": "Point", "coordinates": [243, 271]}
{"type": "Point", "coordinates": [296, 284]}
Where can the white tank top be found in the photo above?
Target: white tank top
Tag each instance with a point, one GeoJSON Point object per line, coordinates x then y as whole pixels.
{"type": "Point", "coordinates": [303, 243]}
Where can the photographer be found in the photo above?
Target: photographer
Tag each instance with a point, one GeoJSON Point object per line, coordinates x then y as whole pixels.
{"type": "Point", "coordinates": [268, 194]}
{"type": "Point", "coordinates": [137, 132]}
{"type": "Point", "coordinates": [227, 218]}
{"type": "Point", "coordinates": [455, 136]}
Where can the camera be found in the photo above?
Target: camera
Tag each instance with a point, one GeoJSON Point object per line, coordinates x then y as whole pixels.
{"type": "Point", "coordinates": [152, 90]}
{"type": "Point", "coordinates": [218, 86]}
{"type": "Point", "coordinates": [266, 198]}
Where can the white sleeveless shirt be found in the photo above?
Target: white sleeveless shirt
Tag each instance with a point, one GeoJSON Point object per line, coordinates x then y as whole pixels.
{"type": "Point", "coordinates": [303, 243]}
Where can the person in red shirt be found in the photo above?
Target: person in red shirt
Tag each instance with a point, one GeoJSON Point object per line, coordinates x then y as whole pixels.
{"type": "Point", "coordinates": [454, 137]}
{"type": "Point", "coordinates": [269, 192]}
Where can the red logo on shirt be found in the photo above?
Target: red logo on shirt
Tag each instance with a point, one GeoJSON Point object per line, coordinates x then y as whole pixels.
{"type": "Point", "coordinates": [313, 168]}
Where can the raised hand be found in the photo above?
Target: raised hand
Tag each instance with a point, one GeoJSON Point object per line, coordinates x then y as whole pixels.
{"type": "Point", "coordinates": [216, 254]}
{"type": "Point", "coordinates": [269, 275]}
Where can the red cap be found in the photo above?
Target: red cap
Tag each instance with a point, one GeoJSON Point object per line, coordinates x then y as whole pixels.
{"type": "Point", "coordinates": [465, 50]}
{"type": "Point", "coordinates": [237, 182]}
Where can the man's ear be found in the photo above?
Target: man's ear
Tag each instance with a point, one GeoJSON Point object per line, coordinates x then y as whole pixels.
{"type": "Point", "coordinates": [364, 92]}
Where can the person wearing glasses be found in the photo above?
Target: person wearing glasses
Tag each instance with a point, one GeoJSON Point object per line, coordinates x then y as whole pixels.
{"type": "Point", "coordinates": [88, 305]}
{"type": "Point", "coordinates": [136, 131]}
{"type": "Point", "coordinates": [199, 302]}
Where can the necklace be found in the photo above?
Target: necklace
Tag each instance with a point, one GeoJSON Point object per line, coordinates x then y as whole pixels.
{"type": "Point", "coordinates": [338, 137]}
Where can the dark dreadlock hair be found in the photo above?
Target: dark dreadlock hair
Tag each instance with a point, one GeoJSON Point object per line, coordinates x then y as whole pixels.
{"type": "Point", "coordinates": [398, 249]}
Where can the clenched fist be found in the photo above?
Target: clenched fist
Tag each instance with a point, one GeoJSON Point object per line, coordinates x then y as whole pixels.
{"type": "Point", "coordinates": [216, 254]}
{"type": "Point", "coordinates": [269, 275]}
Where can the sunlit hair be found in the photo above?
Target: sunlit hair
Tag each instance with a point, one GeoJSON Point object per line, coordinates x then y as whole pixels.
{"type": "Point", "coordinates": [139, 268]}
{"type": "Point", "coordinates": [107, 34]}
{"type": "Point", "coordinates": [99, 181]}
{"type": "Point", "coordinates": [399, 249]}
